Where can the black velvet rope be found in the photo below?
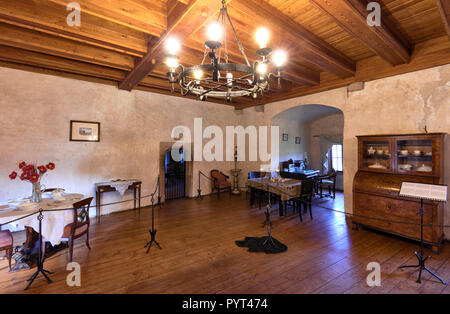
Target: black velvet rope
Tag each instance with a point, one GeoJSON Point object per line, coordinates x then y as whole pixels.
{"type": "Point", "coordinates": [209, 178]}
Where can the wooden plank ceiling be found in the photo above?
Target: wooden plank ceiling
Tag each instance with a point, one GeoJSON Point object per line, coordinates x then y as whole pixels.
{"type": "Point", "coordinates": [121, 42]}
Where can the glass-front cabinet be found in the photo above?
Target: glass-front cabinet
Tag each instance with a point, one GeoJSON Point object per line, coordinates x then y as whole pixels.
{"type": "Point", "coordinates": [415, 154]}
{"type": "Point", "coordinates": [376, 154]}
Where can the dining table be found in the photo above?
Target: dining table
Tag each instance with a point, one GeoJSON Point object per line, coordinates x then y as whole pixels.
{"type": "Point", "coordinates": [57, 213]}
{"type": "Point", "coordinates": [284, 189]}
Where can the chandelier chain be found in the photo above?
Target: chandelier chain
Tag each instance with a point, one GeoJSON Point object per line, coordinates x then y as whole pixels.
{"type": "Point", "coordinates": [241, 48]}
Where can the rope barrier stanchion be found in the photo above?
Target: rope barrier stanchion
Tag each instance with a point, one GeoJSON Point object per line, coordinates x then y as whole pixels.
{"type": "Point", "coordinates": [41, 258]}
{"type": "Point", "coordinates": [153, 231]}
{"type": "Point", "coordinates": [199, 190]}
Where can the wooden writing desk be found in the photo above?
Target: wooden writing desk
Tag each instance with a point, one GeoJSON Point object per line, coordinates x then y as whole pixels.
{"type": "Point", "coordinates": [106, 187]}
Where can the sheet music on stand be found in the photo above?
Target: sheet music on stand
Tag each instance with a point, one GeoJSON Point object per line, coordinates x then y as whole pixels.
{"type": "Point", "coordinates": [431, 192]}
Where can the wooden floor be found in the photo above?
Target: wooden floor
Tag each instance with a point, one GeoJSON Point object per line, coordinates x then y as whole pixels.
{"type": "Point", "coordinates": [199, 255]}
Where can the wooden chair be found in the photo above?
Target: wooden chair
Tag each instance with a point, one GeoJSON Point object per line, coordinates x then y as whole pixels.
{"type": "Point", "coordinates": [261, 194]}
{"type": "Point", "coordinates": [327, 181]}
{"type": "Point", "coordinates": [79, 226]}
{"type": "Point", "coordinates": [220, 182]}
{"type": "Point", "coordinates": [6, 244]}
{"type": "Point", "coordinates": [305, 198]}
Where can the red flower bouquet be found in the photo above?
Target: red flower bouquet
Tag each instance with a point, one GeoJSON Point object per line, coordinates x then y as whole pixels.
{"type": "Point", "coordinates": [33, 175]}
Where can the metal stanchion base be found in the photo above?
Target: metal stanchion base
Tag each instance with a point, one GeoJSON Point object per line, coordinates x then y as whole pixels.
{"type": "Point", "coordinates": [34, 276]}
{"type": "Point", "coordinates": [199, 196]}
{"type": "Point", "coordinates": [423, 267]}
{"type": "Point", "coordinates": [152, 240]}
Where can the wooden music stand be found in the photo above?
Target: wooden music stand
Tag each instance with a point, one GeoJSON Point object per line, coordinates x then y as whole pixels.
{"type": "Point", "coordinates": [422, 191]}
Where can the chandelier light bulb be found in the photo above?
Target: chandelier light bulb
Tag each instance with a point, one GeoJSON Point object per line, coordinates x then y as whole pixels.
{"type": "Point", "coordinates": [262, 37]}
{"type": "Point", "coordinates": [173, 45]}
{"type": "Point", "coordinates": [214, 32]}
{"type": "Point", "coordinates": [172, 62]}
{"type": "Point", "coordinates": [230, 78]}
{"type": "Point", "coordinates": [262, 68]}
{"type": "Point", "coordinates": [279, 58]}
{"type": "Point", "coordinates": [198, 74]}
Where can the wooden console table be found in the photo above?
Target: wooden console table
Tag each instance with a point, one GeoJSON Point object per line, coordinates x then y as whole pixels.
{"type": "Point", "coordinates": [105, 187]}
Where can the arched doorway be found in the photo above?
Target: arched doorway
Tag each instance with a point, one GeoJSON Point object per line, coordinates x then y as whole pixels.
{"type": "Point", "coordinates": [312, 136]}
{"type": "Point", "coordinates": [174, 176]}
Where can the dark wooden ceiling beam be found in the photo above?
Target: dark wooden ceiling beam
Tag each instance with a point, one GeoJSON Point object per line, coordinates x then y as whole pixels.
{"type": "Point", "coordinates": [384, 40]}
{"type": "Point", "coordinates": [307, 46]}
{"type": "Point", "coordinates": [59, 64]}
{"type": "Point", "coordinates": [48, 17]}
{"type": "Point", "coordinates": [18, 37]}
{"type": "Point", "coordinates": [444, 8]}
{"type": "Point", "coordinates": [195, 15]}
{"type": "Point", "coordinates": [146, 16]}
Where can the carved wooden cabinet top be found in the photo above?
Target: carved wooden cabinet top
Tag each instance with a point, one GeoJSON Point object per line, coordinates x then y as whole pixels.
{"type": "Point", "coordinates": [406, 154]}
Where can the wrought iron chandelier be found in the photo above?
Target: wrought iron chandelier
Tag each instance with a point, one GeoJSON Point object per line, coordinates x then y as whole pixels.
{"type": "Point", "coordinates": [221, 78]}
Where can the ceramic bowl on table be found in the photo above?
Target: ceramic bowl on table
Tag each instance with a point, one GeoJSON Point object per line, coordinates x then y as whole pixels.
{"type": "Point", "coordinates": [58, 194]}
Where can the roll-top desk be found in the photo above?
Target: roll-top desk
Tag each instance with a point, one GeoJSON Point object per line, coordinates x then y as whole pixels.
{"type": "Point", "coordinates": [384, 162]}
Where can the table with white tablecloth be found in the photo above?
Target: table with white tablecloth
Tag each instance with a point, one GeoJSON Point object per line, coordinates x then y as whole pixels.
{"type": "Point", "coordinates": [53, 222]}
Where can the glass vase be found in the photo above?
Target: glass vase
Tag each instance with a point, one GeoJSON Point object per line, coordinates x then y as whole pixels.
{"type": "Point", "coordinates": [36, 193]}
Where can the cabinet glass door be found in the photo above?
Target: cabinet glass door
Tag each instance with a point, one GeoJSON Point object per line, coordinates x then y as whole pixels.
{"type": "Point", "coordinates": [415, 156]}
{"type": "Point", "coordinates": [376, 155]}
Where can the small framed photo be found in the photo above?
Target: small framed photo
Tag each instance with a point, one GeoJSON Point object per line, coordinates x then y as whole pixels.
{"type": "Point", "coordinates": [84, 131]}
{"type": "Point", "coordinates": [298, 140]}
{"type": "Point", "coordinates": [285, 137]}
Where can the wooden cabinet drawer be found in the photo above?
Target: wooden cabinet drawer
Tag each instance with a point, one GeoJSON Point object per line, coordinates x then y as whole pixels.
{"type": "Point", "coordinates": [404, 214]}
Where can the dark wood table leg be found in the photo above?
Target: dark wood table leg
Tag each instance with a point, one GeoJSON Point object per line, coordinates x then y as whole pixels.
{"type": "Point", "coordinates": [139, 199]}
{"type": "Point", "coordinates": [98, 202]}
{"type": "Point", "coordinates": [280, 206]}
{"type": "Point", "coordinates": [252, 196]}
{"type": "Point", "coordinates": [135, 195]}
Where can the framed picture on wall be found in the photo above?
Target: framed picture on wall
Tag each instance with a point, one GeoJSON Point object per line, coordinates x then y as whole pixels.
{"type": "Point", "coordinates": [298, 140]}
{"type": "Point", "coordinates": [285, 137]}
{"type": "Point", "coordinates": [84, 131]}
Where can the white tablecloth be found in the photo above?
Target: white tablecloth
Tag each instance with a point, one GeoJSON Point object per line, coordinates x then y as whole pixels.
{"type": "Point", "coordinates": [53, 223]}
{"type": "Point", "coordinates": [120, 186]}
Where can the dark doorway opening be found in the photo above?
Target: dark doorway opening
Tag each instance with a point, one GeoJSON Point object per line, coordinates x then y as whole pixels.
{"type": "Point", "coordinates": [175, 177]}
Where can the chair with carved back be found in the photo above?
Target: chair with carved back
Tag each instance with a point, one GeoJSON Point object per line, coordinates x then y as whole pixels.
{"type": "Point", "coordinates": [6, 244]}
{"type": "Point", "coordinates": [328, 181]}
{"type": "Point", "coordinates": [79, 226]}
{"type": "Point", "coordinates": [220, 182]}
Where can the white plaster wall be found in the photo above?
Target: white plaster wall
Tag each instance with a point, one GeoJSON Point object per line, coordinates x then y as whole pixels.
{"type": "Point", "coordinates": [34, 118]}
{"type": "Point", "coordinates": [331, 125]}
{"type": "Point", "coordinates": [294, 128]}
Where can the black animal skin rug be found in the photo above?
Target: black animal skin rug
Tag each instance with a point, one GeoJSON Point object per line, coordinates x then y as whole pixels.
{"type": "Point", "coordinates": [260, 245]}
